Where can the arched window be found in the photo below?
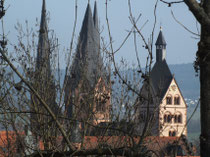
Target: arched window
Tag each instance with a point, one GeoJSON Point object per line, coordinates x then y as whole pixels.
{"type": "Point", "coordinates": [165, 118]}
{"type": "Point", "coordinates": [169, 118]}
{"type": "Point", "coordinates": [177, 100]}
{"type": "Point", "coordinates": [174, 133]}
{"type": "Point", "coordinates": [180, 118]}
{"type": "Point", "coordinates": [170, 133]}
{"type": "Point", "coordinates": [175, 119]}
{"type": "Point", "coordinates": [169, 100]}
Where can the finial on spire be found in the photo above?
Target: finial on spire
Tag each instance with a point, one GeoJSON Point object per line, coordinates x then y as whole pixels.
{"type": "Point", "coordinates": [161, 28]}
{"type": "Point", "coordinates": [88, 1]}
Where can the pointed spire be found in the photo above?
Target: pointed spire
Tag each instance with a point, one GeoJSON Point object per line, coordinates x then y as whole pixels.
{"type": "Point", "coordinates": [43, 52]}
{"type": "Point", "coordinates": [87, 25]}
{"type": "Point", "coordinates": [160, 47]}
{"type": "Point", "coordinates": [43, 24]}
{"type": "Point", "coordinates": [88, 61]}
{"type": "Point", "coordinates": [87, 67]}
{"type": "Point", "coordinates": [160, 39]}
{"type": "Point", "coordinates": [95, 16]}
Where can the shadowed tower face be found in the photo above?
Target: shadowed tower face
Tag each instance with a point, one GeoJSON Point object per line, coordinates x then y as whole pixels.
{"type": "Point", "coordinates": [87, 94]}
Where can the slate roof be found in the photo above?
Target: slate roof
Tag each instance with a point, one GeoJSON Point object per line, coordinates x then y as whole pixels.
{"type": "Point", "coordinates": [160, 78]}
{"type": "Point", "coordinates": [160, 39]}
{"type": "Point", "coordinates": [43, 76]}
{"type": "Point", "coordinates": [88, 63]}
{"type": "Point", "coordinates": [95, 17]}
{"type": "Point", "coordinates": [43, 54]}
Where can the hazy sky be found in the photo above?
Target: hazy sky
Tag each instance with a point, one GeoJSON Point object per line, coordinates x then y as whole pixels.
{"type": "Point", "coordinates": [181, 47]}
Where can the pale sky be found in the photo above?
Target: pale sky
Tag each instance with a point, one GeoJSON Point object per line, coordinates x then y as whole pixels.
{"type": "Point", "coordinates": [181, 47]}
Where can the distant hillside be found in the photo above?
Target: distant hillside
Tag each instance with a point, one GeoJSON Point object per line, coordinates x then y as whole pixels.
{"type": "Point", "coordinates": [184, 75]}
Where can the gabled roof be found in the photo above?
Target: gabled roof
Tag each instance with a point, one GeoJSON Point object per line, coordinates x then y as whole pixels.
{"type": "Point", "coordinates": [179, 90]}
{"type": "Point", "coordinates": [160, 39]}
{"type": "Point", "coordinates": [160, 78]}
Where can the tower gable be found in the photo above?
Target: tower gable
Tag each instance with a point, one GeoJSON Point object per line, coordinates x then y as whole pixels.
{"type": "Point", "coordinates": [174, 90]}
{"type": "Point", "coordinates": [173, 112]}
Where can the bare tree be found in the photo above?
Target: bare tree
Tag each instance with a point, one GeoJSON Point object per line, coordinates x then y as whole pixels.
{"type": "Point", "coordinates": [61, 115]}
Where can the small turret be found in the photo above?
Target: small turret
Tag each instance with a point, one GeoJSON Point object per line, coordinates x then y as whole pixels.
{"type": "Point", "coordinates": [160, 47]}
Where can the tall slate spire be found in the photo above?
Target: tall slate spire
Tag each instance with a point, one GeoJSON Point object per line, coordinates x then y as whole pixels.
{"type": "Point", "coordinates": [160, 47]}
{"type": "Point", "coordinates": [95, 16]}
{"type": "Point", "coordinates": [44, 80]}
{"type": "Point", "coordinates": [43, 52]}
{"type": "Point", "coordinates": [160, 39]}
{"type": "Point", "coordinates": [97, 32]}
{"type": "Point", "coordinates": [87, 67]}
{"type": "Point", "coordinates": [45, 86]}
{"type": "Point", "coordinates": [87, 61]}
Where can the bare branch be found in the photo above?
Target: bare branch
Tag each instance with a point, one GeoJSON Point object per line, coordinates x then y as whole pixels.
{"type": "Point", "coordinates": [184, 25]}
{"type": "Point", "coordinates": [198, 12]}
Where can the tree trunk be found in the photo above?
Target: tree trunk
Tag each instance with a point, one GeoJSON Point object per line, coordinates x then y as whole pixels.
{"type": "Point", "coordinates": [203, 55]}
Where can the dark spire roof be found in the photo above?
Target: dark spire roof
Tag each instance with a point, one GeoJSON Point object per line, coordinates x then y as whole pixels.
{"type": "Point", "coordinates": [160, 39]}
{"type": "Point", "coordinates": [161, 78]}
{"type": "Point", "coordinates": [43, 77]}
{"type": "Point", "coordinates": [43, 54]}
{"type": "Point", "coordinates": [88, 63]}
{"type": "Point", "coordinates": [95, 16]}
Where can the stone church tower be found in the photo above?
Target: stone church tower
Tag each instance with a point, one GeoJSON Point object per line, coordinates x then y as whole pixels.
{"type": "Point", "coordinates": [161, 104]}
{"type": "Point", "coordinates": [87, 91]}
{"type": "Point", "coordinates": [43, 81]}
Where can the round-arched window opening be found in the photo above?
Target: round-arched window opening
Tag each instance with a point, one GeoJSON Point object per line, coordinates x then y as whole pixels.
{"type": "Point", "coordinates": [180, 118]}
{"type": "Point", "coordinates": [174, 133]}
{"type": "Point", "coordinates": [175, 119]}
{"type": "Point", "coordinates": [177, 100]}
{"type": "Point", "coordinates": [165, 118]}
{"type": "Point", "coordinates": [169, 100]}
{"type": "Point", "coordinates": [169, 118]}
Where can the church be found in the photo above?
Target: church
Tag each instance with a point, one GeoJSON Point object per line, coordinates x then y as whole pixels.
{"type": "Point", "coordinates": [88, 87]}
{"type": "Point", "coordinates": [161, 103]}
{"type": "Point", "coordinates": [160, 109]}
